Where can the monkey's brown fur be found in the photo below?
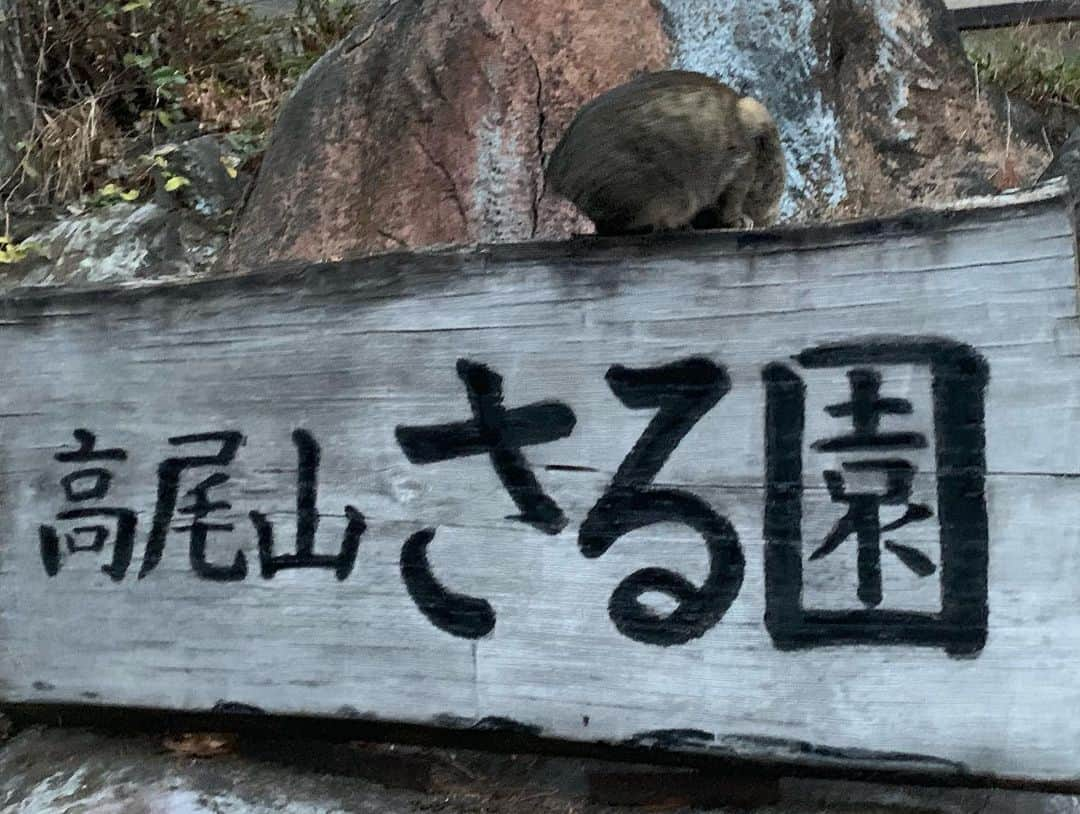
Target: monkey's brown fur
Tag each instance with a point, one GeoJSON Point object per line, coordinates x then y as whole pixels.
{"type": "Point", "coordinates": [667, 150]}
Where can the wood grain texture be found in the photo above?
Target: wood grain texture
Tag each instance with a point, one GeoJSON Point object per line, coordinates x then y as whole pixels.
{"type": "Point", "coordinates": [351, 351]}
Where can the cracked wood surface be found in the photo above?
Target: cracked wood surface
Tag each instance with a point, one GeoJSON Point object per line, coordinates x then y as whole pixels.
{"type": "Point", "coordinates": [351, 351]}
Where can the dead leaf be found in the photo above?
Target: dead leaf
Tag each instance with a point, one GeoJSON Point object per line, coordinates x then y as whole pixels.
{"type": "Point", "coordinates": [1007, 176]}
{"type": "Point", "coordinates": [201, 744]}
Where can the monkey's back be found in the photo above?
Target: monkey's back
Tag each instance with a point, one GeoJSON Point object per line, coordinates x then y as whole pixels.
{"type": "Point", "coordinates": [651, 152]}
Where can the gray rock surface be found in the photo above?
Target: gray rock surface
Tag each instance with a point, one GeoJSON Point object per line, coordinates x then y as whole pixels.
{"type": "Point", "coordinates": [118, 244]}
{"type": "Point", "coordinates": [167, 235]}
{"type": "Point", "coordinates": [58, 771]}
{"type": "Point", "coordinates": [213, 191]}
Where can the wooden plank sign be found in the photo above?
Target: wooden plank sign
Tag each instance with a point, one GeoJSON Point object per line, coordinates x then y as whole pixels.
{"type": "Point", "coordinates": [808, 495]}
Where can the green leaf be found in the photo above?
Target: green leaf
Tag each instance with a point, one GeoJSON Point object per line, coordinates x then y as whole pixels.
{"type": "Point", "coordinates": [135, 5]}
{"type": "Point", "coordinates": [164, 118]}
{"type": "Point", "coordinates": [141, 61]}
{"type": "Point", "coordinates": [167, 75]}
{"type": "Point", "coordinates": [176, 182]}
{"type": "Point", "coordinates": [244, 144]}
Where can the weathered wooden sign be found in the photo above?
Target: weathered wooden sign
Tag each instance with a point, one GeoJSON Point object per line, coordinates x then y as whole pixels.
{"type": "Point", "coordinates": [808, 495]}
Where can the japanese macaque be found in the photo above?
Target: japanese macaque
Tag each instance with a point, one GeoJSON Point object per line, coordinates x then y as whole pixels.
{"type": "Point", "coordinates": [670, 150]}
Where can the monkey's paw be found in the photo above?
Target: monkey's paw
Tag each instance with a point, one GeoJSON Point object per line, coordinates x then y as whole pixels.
{"type": "Point", "coordinates": [746, 222]}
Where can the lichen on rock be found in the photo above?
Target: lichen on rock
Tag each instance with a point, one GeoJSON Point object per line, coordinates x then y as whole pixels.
{"type": "Point", "coordinates": [122, 243]}
{"type": "Point", "coordinates": [761, 49]}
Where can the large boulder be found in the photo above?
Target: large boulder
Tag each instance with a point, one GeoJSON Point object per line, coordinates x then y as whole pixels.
{"type": "Point", "coordinates": [427, 124]}
{"type": "Point", "coordinates": [430, 123]}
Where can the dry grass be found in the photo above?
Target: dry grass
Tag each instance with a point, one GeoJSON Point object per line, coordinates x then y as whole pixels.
{"type": "Point", "coordinates": [1038, 63]}
{"type": "Point", "coordinates": [114, 79]}
{"type": "Point", "coordinates": [73, 143]}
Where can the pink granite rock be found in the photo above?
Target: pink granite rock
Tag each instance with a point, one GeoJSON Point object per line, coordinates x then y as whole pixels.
{"type": "Point", "coordinates": [427, 125]}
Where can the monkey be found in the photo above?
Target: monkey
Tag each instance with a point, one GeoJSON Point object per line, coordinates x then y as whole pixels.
{"type": "Point", "coordinates": [670, 150]}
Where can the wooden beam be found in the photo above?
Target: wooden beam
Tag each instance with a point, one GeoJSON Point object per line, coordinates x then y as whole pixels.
{"type": "Point", "coordinates": [804, 496]}
{"type": "Point", "coordinates": [975, 14]}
